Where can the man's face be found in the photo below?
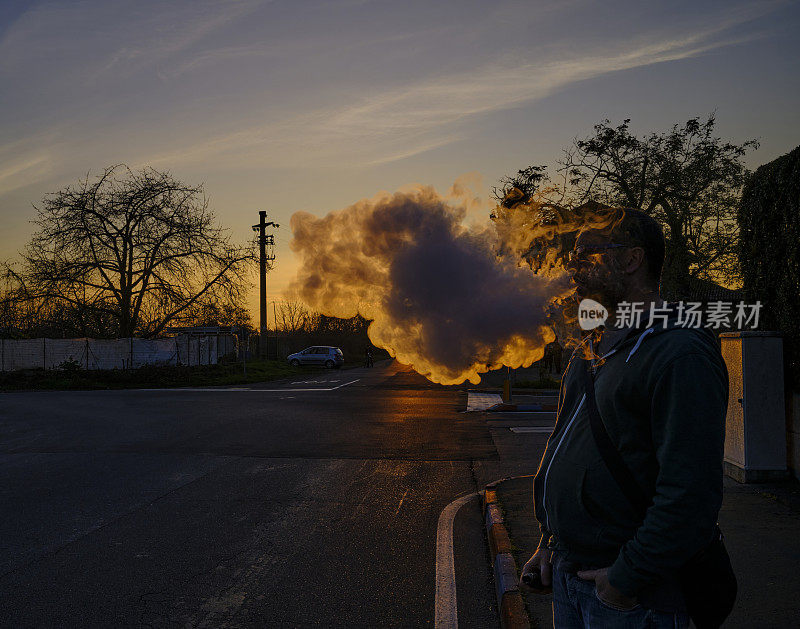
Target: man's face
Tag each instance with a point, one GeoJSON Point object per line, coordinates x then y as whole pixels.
{"type": "Point", "coordinates": [595, 269]}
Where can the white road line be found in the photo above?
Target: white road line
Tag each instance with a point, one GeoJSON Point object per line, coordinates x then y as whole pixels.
{"type": "Point", "coordinates": [446, 614]}
{"type": "Point", "coordinates": [239, 389]}
{"type": "Point", "coordinates": [401, 502]}
{"type": "Point", "coordinates": [346, 383]}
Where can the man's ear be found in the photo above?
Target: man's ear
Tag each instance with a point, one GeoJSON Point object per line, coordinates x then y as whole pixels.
{"type": "Point", "coordinates": [633, 259]}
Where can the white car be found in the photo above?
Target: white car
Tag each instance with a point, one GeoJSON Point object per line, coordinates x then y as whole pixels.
{"type": "Point", "coordinates": [322, 355]}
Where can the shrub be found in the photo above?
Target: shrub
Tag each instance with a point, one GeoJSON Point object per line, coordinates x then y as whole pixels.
{"type": "Point", "coordinates": [769, 255]}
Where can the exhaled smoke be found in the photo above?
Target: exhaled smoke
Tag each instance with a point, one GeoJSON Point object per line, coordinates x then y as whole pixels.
{"type": "Point", "coordinates": [439, 297]}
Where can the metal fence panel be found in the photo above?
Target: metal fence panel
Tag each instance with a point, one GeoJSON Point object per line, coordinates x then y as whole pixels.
{"type": "Point", "coordinates": [124, 353]}
{"type": "Point", "coordinates": [153, 352]}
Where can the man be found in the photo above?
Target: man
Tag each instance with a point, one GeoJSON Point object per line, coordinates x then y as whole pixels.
{"type": "Point", "coordinates": [661, 390]}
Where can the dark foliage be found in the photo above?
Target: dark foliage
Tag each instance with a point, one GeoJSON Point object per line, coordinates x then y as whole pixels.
{"type": "Point", "coordinates": [350, 335]}
{"type": "Point", "coordinates": [521, 187]}
{"type": "Point", "coordinates": [72, 377]}
{"type": "Point", "coordinates": [687, 178]}
{"type": "Point", "coordinates": [769, 253]}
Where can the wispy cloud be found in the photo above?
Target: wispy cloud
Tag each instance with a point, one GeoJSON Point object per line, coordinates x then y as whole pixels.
{"type": "Point", "coordinates": [372, 123]}
{"type": "Point", "coordinates": [266, 51]}
{"type": "Point", "coordinates": [172, 34]}
{"type": "Point", "coordinates": [25, 162]}
{"type": "Point", "coordinates": [436, 103]}
{"type": "Point", "coordinates": [401, 122]}
{"type": "Point", "coordinates": [22, 171]}
{"type": "Point", "coordinates": [105, 42]}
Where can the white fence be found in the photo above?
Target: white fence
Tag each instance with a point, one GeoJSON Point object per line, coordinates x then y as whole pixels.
{"type": "Point", "coordinates": [128, 353]}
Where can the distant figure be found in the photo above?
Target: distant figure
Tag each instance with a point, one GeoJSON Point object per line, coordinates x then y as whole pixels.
{"type": "Point", "coordinates": [551, 361]}
{"type": "Point", "coordinates": [552, 357]}
{"type": "Point", "coordinates": [557, 354]}
{"type": "Point", "coordinates": [546, 361]}
{"type": "Point", "coordinates": [368, 362]}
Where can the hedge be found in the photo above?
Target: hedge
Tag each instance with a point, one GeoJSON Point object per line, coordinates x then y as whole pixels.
{"type": "Point", "coordinates": [769, 254]}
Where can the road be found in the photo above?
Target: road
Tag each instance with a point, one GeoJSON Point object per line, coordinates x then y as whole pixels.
{"type": "Point", "coordinates": [312, 502]}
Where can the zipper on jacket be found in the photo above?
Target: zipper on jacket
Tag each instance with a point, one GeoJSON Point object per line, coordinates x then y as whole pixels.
{"type": "Point", "coordinates": [552, 458]}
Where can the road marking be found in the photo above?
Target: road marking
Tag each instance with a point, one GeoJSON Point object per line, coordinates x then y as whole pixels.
{"type": "Point", "coordinates": [346, 383]}
{"type": "Point", "coordinates": [240, 389]}
{"type": "Point", "coordinates": [446, 611]}
{"type": "Point", "coordinates": [547, 429]}
{"type": "Point", "coordinates": [401, 502]}
{"type": "Point", "coordinates": [482, 401]}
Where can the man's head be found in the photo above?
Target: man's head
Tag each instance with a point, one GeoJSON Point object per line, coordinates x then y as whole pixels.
{"type": "Point", "coordinates": [620, 261]}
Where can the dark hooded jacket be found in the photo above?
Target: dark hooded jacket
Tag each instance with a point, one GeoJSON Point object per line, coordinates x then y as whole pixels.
{"type": "Point", "coordinates": [662, 393]}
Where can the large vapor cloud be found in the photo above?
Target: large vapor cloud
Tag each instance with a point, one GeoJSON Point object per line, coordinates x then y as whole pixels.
{"type": "Point", "coordinates": [438, 296]}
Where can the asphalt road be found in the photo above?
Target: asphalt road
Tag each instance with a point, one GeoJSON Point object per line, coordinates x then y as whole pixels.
{"type": "Point", "coordinates": [313, 502]}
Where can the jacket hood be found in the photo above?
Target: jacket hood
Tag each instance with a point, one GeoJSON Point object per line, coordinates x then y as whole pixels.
{"type": "Point", "coordinates": [669, 317]}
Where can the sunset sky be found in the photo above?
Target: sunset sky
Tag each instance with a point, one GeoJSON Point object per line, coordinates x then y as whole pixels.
{"type": "Point", "coordinates": [302, 105]}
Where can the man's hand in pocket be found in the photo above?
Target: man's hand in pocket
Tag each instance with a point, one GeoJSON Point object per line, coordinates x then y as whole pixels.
{"type": "Point", "coordinates": [606, 592]}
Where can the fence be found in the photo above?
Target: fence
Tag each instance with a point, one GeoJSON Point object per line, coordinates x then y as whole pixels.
{"type": "Point", "coordinates": [125, 353]}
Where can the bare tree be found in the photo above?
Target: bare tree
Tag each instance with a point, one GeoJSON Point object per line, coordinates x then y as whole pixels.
{"type": "Point", "coordinates": [12, 310]}
{"type": "Point", "coordinates": [293, 317]}
{"type": "Point", "coordinates": [140, 248]}
{"type": "Point", "coordinates": [208, 313]}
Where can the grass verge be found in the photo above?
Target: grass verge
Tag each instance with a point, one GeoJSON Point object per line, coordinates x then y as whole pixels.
{"type": "Point", "coordinates": [541, 383]}
{"type": "Point", "coordinates": [151, 376]}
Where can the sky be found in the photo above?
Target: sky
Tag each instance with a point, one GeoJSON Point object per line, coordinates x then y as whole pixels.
{"type": "Point", "coordinates": [310, 105]}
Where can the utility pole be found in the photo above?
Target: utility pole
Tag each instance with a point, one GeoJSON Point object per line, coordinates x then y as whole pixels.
{"type": "Point", "coordinates": [264, 239]}
{"type": "Point", "coordinates": [275, 319]}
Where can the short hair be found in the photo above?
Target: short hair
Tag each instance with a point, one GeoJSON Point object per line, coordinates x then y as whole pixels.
{"type": "Point", "coordinates": [634, 227]}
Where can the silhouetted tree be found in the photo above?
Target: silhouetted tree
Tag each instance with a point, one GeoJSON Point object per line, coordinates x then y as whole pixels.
{"type": "Point", "coordinates": [521, 187]}
{"type": "Point", "coordinates": [141, 249]}
{"type": "Point", "coordinates": [293, 316]}
{"type": "Point", "coordinates": [208, 314]}
{"type": "Point", "coordinates": [686, 178]}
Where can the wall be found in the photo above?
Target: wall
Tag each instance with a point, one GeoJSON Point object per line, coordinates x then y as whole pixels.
{"type": "Point", "coordinates": [125, 353]}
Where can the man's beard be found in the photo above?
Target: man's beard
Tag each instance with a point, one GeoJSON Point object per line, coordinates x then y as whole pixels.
{"type": "Point", "coordinates": [603, 284]}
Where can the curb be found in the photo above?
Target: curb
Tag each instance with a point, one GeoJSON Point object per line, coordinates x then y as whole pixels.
{"type": "Point", "coordinates": [509, 599]}
{"type": "Point", "coordinates": [504, 407]}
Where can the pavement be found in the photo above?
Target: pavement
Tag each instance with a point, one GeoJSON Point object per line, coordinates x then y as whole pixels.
{"type": "Point", "coordinates": [317, 501]}
{"type": "Point", "coordinates": [761, 524]}
{"type": "Point", "coordinates": [343, 499]}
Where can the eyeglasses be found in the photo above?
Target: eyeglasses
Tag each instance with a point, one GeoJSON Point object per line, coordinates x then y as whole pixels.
{"type": "Point", "coordinates": [579, 253]}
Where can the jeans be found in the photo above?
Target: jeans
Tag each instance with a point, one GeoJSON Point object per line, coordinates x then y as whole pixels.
{"type": "Point", "coordinates": [576, 606]}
